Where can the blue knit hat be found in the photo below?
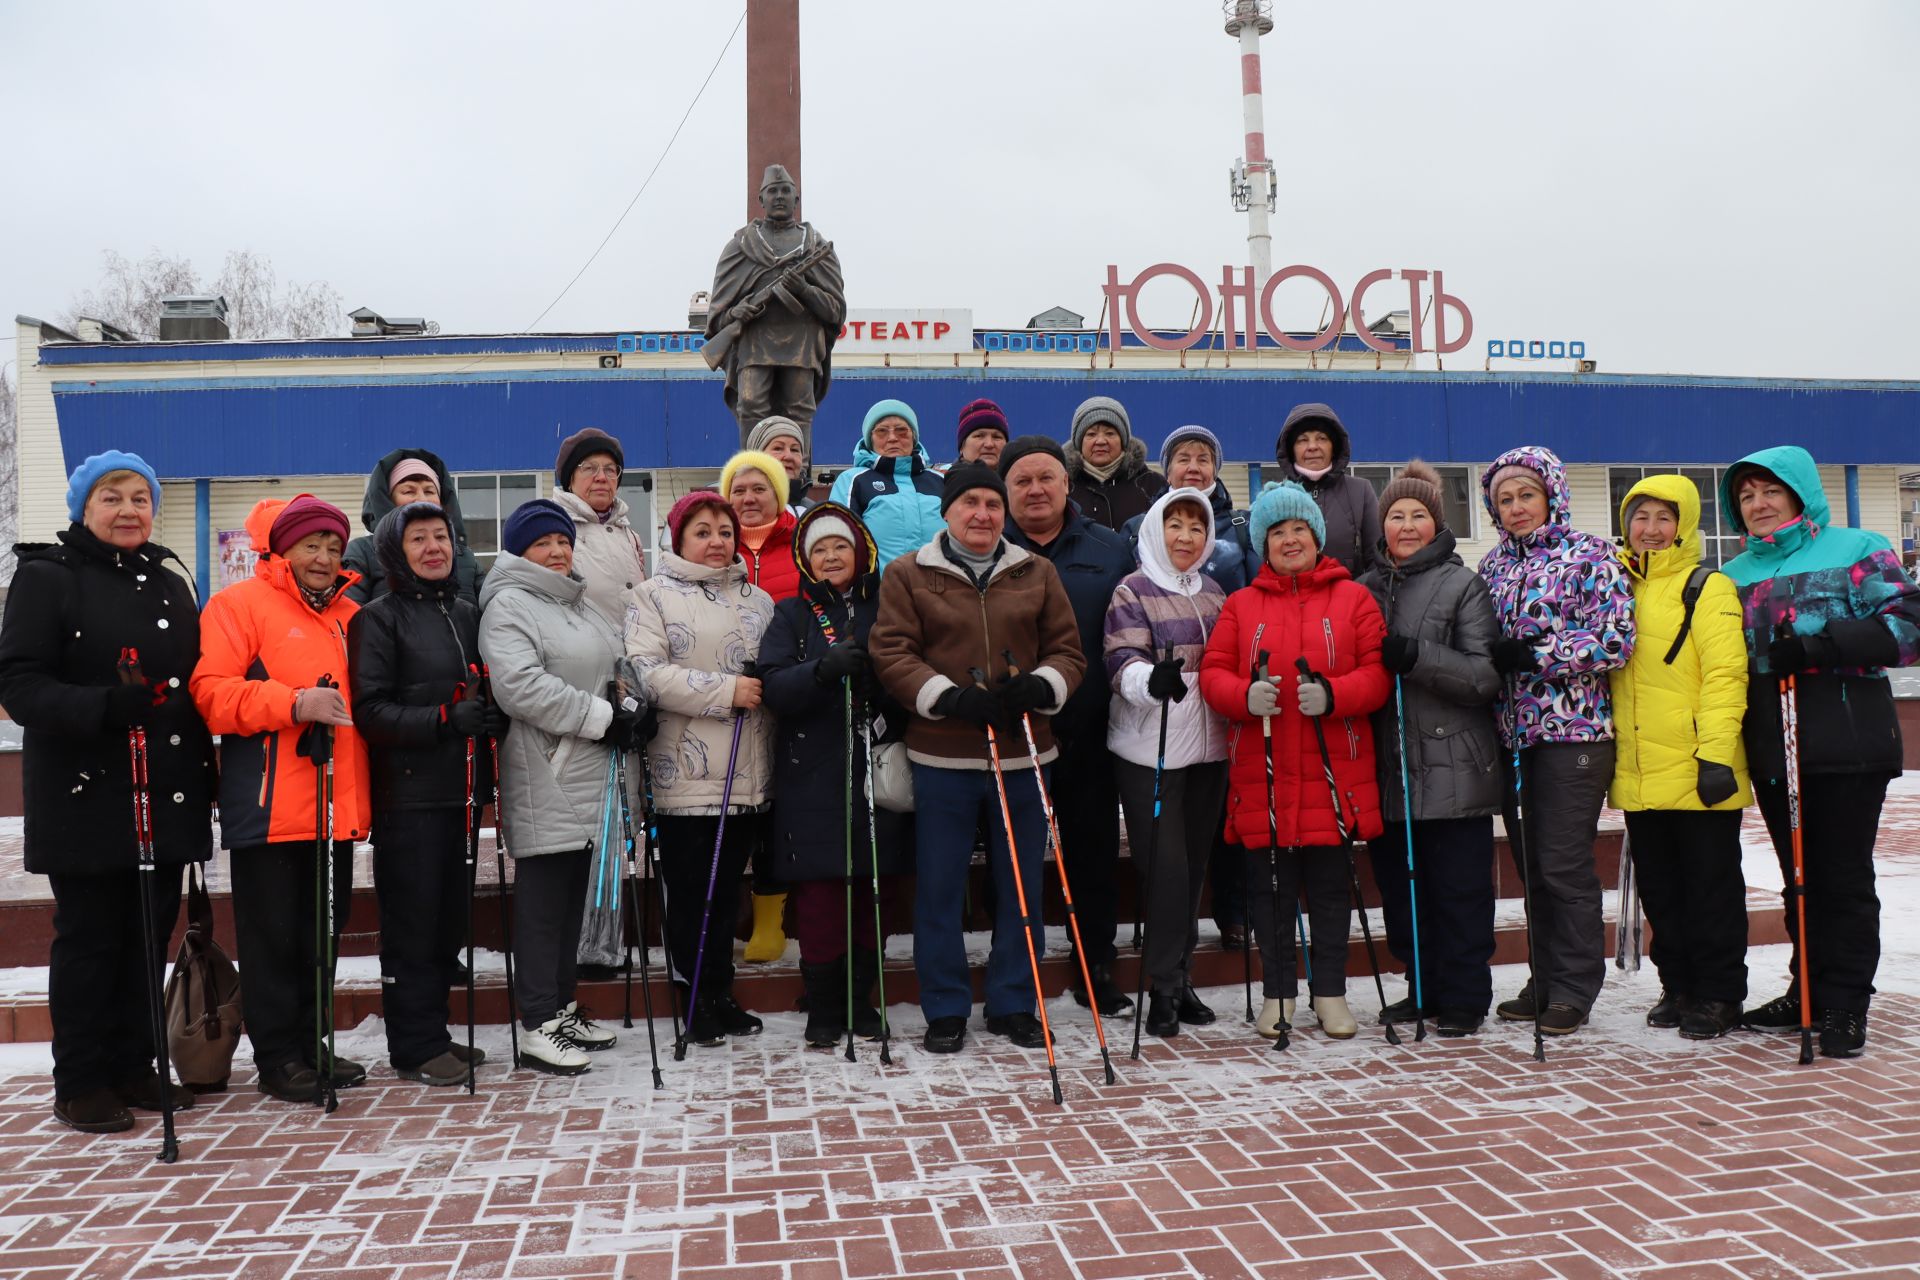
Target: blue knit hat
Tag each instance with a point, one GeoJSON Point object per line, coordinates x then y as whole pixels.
{"type": "Point", "coordinates": [889, 409]}
{"type": "Point", "coordinates": [532, 521]}
{"type": "Point", "coordinates": [87, 474]}
{"type": "Point", "coordinates": [1284, 500]}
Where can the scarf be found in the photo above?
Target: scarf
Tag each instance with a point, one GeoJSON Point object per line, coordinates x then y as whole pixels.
{"type": "Point", "coordinates": [1310, 474]}
{"type": "Point", "coordinates": [1102, 474]}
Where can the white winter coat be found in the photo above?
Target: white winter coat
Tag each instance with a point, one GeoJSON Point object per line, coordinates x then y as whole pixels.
{"type": "Point", "coordinates": [608, 554]}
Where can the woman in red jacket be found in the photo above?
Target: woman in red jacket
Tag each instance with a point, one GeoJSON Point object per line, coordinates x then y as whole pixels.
{"type": "Point", "coordinates": [1303, 604]}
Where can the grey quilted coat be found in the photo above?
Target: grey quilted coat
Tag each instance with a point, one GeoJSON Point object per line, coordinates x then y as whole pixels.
{"type": "Point", "coordinates": [1453, 753]}
{"type": "Point", "coordinates": [550, 655]}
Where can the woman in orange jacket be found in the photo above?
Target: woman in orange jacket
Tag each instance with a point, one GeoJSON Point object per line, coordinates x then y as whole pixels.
{"type": "Point", "coordinates": [272, 670]}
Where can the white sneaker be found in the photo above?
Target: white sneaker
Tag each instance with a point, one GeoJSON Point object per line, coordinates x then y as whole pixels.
{"type": "Point", "coordinates": [546, 1048]}
{"type": "Point", "coordinates": [1335, 1018]}
{"type": "Point", "coordinates": [583, 1032]}
{"type": "Point", "coordinates": [1271, 1014]}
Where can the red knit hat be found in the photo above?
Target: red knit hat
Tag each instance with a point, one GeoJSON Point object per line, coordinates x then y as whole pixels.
{"type": "Point", "coordinates": [304, 515]}
{"type": "Point", "coordinates": [683, 511]}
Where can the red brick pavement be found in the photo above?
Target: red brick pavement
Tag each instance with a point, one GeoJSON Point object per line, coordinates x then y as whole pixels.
{"type": "Point", "coordinates": [1624, 1155]}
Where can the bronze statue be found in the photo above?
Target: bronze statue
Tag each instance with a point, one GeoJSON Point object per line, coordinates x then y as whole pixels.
{"type": "Point", "coordinates": [778, 304]}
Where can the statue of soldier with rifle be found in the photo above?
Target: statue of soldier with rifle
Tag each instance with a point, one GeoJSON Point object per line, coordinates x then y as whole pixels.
{"type": "Point", "coordinates": [778, 302]}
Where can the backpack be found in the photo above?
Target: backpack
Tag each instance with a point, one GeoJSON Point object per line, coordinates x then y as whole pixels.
{"type": "Point", "coordinates": [202, 999]}
{"type": "Point", "coordinates": [1689, 597]}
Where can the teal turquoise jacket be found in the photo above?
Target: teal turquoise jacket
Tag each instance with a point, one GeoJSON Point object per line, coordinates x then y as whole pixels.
{"type": "Point", "coordinates": [1845, 585]}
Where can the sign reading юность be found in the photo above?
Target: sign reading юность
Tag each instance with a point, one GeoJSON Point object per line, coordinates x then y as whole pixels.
{"type": "Point", "coordinates": [1247, 308]}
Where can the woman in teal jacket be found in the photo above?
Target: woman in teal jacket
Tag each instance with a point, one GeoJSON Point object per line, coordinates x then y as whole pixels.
{"type": "Point", "coordinates": [1833, 608]}
{"type": "Point", "coordinates": [892, 485]}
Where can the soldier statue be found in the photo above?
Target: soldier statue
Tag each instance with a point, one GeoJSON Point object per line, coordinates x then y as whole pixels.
{"type": "Point", "coordinates": [778, 303]}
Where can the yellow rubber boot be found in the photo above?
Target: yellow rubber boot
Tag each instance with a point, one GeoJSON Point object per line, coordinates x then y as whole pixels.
{"type": "Point", "coordinates": [769, 940]}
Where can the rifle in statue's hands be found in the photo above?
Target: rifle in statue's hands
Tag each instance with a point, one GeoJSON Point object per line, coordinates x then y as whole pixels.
{"type": "Point", "coordinates": [715, 352]}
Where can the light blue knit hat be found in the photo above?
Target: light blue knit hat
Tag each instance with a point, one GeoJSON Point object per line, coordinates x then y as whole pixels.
{"type": "Point", "coordinates": [889, 409]}
{"type": "Point", "coordinates": [1284, 500]}
{"type": "Point", "coordinates": [87, 474]}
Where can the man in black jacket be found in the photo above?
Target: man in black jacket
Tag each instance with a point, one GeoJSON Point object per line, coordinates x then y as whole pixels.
{"type": "Point", "coordinates": [417, 702]}
{"type": "Point", "coordinates": [1090, 560]}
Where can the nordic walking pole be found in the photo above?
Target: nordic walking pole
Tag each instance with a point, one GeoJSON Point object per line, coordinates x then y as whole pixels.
{"type": "Point", "coordinates": [473, 862]}
{"type": "Point", "coordinates": [1517, 841]}
{"type": "Point", "coordinates": [621, 698]}
{"type": "Point", "coordinates": [1790, 733]}
{"type": "Point", "coordinates": [1066, 890]}
{"type": "Point", "coordinates": [130, 673]}
{"type": "Point", "coordinates": [659, 886]}
{"type": "Point", "coordinates": [1153, 847]}
{"type": "Point", "coordinates": [1346, 843]}
{"type": "Point", "coordinates": [500, 876]}
{"type": "Point", "coordinates": [846, 696]}
{"type": "Point", "coordinates": [713, 872]}
{"type": "Point", "coordinates": [1282, 1027]}
{"type": "Point", "coordinates": [1626, 925]}
{"type": "Point", "coordinates": [873, 864]}
{"type": "Point", "coordinates": [320, 751]}
{"type": "Point", "coordinates": [1020, 890]}
{"type": "Point", "coordinates": [1413, 890]}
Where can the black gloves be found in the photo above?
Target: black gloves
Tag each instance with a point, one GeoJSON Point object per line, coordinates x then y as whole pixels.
{"type": "Point", "coordinates": [969, 702]}
{"type": "Point", "coordinates": [1024, 693]}
{"type": "Point", "coordinates": [129, 705]}
{"type": "Point", "coordinates": [629, 729]}
{"type": "Point", "coordinates": [840, 662]}
{"type": "Point", "coordinates": [495, 722]}
{"type": "Point", "coordinates": [1716, 783]}
{"type": "Point", "coordinates": [466, 718]}
{"type": "Point", "coordinates": [1514, 657]}
{"type": "Point", "coordinates": [1790, 653]}
{"type": "Point", "coordinates": [1400, 653]}
{"type": "Point", "coordinates": [1166, 681]}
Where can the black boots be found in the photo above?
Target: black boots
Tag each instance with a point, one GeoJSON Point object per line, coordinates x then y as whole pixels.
{"type": "Point", "coordinates": [827, 1009]}
{"type": "Point", "coordinates": [1111, 999]}
{"type": "Point", "coordinates": [1163, 1013]}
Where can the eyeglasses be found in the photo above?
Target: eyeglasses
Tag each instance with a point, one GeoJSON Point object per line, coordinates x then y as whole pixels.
{"type": "Point", "coordinates": [599, 472]}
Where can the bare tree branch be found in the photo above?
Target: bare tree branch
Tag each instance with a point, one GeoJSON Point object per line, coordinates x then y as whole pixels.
{"type": "Point", "coordinates": [9, 475]}
{"type": "Point", "coordinates": [129, 295]}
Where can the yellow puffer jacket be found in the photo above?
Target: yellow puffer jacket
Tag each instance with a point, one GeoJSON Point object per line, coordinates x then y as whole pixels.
{"type": "Point", "coordinates": [1669, 717]}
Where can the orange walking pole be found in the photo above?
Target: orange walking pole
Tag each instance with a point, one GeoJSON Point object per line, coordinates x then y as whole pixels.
{"type": "Point", "coordinates": [1066, 892]}
{"type": "Point", "coordinates": [1020, 896]}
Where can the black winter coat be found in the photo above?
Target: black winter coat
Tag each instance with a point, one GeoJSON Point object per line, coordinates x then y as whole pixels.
{"type": "Point", "coordinates": [1347, 503]}
{"type": "Point", "coordinates": [72, 608]}
{"type": "Point", "coordinates": [1127, 493]}
{"type": "Point", "coordinates": [364, 559]}
{"type": "Point", "coordinates": [1091, 560]}
{"type": "Point", "coordinates": [407, 653]}
{"type": "Point", "coordinates": [1453, 749]}
{"type": "Point", "coordinates": [810, 745]}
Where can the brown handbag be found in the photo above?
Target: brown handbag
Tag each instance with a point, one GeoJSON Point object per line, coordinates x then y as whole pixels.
{"type": "Point", "coordinates": [203, 999]}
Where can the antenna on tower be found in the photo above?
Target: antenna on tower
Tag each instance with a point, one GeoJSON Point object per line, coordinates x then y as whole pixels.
{"type": "Point", "coordinates": [1250, 181]}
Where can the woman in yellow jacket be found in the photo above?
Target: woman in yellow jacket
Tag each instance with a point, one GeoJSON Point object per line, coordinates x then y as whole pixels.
{"type": "Point", "coordinates": [1681, 771]}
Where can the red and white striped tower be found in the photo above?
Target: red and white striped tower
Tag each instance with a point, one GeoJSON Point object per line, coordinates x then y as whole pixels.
{"type": "Point", "coordinates": [1253, 191]}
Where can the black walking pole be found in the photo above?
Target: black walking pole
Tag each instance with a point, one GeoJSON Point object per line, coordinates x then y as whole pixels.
{"type": "Point", "coordinates": [500, 874]}
{"type": "Point", "coordinates": [1346, 843]}
{"type": "Point", "coordinates": [143, 846]}
{"type": "Point", "coordinates": [660, 889]}
{"type": "Point", "coordinates": [1790, 737]}
{"type": "Point", "coordinates": [1517, 842]}
{"type": "Point", "coordinates": [473, 864]}
{"type": "Point", "coordinates": [1146, 896]}
{"type": "Point", "coordinates": [320, 751]}
{"type": "Point", "coordinates": [620, 697]}
{"type": "Point", "coordinates": [1282, 1027]}
{"type": "Point", "coordinates": [873, 864]}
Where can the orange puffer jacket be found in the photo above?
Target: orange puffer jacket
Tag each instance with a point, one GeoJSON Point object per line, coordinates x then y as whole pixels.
{"type": "Point", "coordinates": [260, 644]}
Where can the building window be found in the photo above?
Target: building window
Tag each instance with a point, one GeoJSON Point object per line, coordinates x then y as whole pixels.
{"type": "Point", "coordinates": [1718, 542]}
{"type": "Point", "coordinates": [1456, 494]}
{"type": "Point", "coordinates": [488, 499]}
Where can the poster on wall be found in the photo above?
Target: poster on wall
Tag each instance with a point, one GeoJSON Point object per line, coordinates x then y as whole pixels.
{"type": "Point", "coordinates": [236, 556]}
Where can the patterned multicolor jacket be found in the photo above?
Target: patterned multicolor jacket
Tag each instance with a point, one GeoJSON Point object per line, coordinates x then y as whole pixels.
{"type": "Point", "coordinates": [1838, 583]}
{"type": "Point", "coordinates": [1563, 590]}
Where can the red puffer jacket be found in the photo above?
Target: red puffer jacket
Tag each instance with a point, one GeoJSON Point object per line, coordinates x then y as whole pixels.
{"type": "Point", "coordinates": [1331, 621]}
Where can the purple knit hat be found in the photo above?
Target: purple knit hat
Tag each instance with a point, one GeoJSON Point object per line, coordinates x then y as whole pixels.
{"type": "Point", "coordinates": [982, 414]}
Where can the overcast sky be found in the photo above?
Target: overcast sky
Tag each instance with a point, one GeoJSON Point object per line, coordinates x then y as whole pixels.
{"type": "Point", "coordinates": [1698, 187]}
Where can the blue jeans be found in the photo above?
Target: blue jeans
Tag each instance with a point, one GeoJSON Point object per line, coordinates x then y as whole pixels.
{"type": "Point", "coordinates": [948, 807]}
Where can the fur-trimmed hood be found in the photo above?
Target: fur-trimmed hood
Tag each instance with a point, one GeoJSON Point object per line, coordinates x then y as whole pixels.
{"type": "Point", "coordinates": [1132, 463]}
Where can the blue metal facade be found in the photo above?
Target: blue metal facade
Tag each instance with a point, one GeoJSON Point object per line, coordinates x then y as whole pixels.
{"type": "Point", "coordinates": [485, 420]}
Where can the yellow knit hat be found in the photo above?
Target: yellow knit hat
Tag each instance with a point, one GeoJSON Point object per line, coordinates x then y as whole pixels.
{"type": "Point", "coordinates": [754, 460]}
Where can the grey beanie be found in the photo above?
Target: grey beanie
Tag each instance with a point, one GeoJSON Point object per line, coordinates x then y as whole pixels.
{"type": "Point", "coordinates": [764, 432]}
{"type": "Point", "coordinates": [1102, 409]}
{"type": "Point", "coordinates": [1181, 435]}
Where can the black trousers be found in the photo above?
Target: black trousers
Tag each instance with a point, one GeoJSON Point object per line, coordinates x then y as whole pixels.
{"type": "Point", "coordinates": [1839, 818]}
{"type": "Point", "coordinates": [1322, 872]}
{"type": "Point", "coordinates": [274, 918]}
{"type": "Point", "coordinates": [97, 976]}
{"type": "Point", "coordinates": [1566, 782]}
{"type": "Point", "coordinates": [1229, 871]}
{"type": "Point", "coordinates": [1687, 863]}
{"type": "Point", "coordinates": [420, 878]}
{"type": "Point", "coordinates": [1177, 855]}
{"type": "Point", "coordinates": [686, 865]}
{"type": "Point", "coordinates": [1452, 896]}
{"type": "Point", "coordinates": [549, 895]}
{"type": "Point", "coordinates": [1082, 787]}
